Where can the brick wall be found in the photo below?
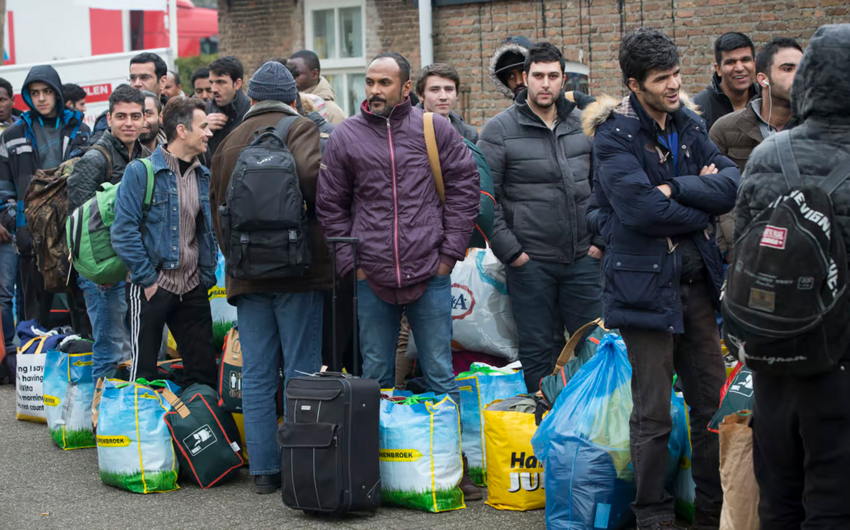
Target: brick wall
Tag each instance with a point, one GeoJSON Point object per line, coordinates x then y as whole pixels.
{"type": "Point", "coordinates": [588, 31]}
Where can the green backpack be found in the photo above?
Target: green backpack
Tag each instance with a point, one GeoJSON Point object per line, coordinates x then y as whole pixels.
{"type": "Point", "coordinates": [88, 233]}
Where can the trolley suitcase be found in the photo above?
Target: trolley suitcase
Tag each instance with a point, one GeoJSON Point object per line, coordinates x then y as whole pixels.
{"type": "Point", "coordinates": [329, 441]}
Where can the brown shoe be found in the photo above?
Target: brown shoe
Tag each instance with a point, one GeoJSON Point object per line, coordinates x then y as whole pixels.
{"type": "Point", "coordinates": [471, 492]}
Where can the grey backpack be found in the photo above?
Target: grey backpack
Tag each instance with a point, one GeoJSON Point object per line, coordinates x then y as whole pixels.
{"type": "Point", "coordinates": [264, 216]}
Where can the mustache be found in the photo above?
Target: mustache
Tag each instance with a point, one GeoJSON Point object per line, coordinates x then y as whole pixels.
{"type": "Point", "coordinates": [377, 98]}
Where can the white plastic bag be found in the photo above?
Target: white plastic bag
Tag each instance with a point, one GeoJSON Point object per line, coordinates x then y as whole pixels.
{"type": "Point", "coordinates": [482, 320]}
{"type": "Point", "coordinates": [28, 382]}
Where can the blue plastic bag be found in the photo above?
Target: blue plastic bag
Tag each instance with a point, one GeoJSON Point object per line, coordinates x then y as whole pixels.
{"type": "Point", "coordinates": [583, 444]}
{"type": "Point", "coordinates": [68, 393]}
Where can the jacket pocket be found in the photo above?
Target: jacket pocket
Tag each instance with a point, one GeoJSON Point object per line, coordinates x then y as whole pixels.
{"type": "Point", "coordinates": [636, 280]}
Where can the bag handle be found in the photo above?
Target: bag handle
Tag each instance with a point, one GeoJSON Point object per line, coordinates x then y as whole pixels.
{"type": "Point", "coordinates": [149, 186]}
{"type": "Point", "coordinates": [569, 349]}
{"type": "Point", "coordinates": [176, 403]}
{"type": "Point", "coordinates": [29, 343]}
{"type": "Point", "coordinates": [434, 155]}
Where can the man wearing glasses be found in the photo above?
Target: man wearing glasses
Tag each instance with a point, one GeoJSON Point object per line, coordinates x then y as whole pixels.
{"type": "Point", "coordinates": [148, 72]}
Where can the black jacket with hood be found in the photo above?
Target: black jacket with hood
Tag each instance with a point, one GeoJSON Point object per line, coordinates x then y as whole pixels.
{"type": "Point", "coordinates": [19, 150]}
{"type": "Point", "coordinates": [91, 170]}
{"type": "Point", "coordinates": [235, 112]}
{"type": "Point", "coordinates": [713, 104]}
{"type": "Point", "coordinates": [513, 50]}
{"type": "Point", "coordinates": [820, 98]}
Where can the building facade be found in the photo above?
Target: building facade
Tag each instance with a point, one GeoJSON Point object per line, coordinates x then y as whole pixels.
{"type": "Point", "coordinates": [346, 33]}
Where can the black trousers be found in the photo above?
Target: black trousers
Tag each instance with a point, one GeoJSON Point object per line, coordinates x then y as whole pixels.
{"type": "Point", "coordinates": [37, 301]}
{"type": "Point", "coordinates": [190, 321]}
{"type": "Point", "coordinates": [696, 358]}
{"type": "Point", "coordinates": [801, 450]}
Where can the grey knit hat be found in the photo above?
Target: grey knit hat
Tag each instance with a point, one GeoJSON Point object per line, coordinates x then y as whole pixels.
{"type": "Point", "coordinates": [272, 81]}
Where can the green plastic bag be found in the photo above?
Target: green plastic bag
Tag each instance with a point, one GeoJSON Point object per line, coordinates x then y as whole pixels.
{"type": "Point", "coordinates": [88, 233]}
{"type": "Point", "coordinates": [478, 388]}
{"type": "Point", "coordinates": [68, 393]}
{"type": "Point", "coordinates": [420, 453]}
{"type": "Point", "coordinates": [134, 449]}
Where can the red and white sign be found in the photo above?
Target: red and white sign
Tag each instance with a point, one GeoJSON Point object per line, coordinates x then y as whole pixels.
{"type": "Point", "coordinates": [99, 92]}
{"type": "Point", "coordinates": [774, 237]}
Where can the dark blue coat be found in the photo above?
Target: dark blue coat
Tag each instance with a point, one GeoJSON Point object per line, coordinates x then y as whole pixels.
{"type": "Point", "coordinates": [640, 226]}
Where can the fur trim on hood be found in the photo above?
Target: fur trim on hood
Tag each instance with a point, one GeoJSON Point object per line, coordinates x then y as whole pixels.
{"type": "Point", "coordinates": [518, 45]}
{"type": "Point", "coordinates": [597, 113]}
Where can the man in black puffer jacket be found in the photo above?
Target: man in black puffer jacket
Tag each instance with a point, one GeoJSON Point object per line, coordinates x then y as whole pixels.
{"type": "Point", "coordinates": [801, 426]}
{"type": "Point", "coordinates": [105, 162]}
{"type": "Point", "coordinates": [540, 161]}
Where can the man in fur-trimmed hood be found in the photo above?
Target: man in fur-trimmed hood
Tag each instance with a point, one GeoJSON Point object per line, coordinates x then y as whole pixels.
{"type": "Point", "coordinates": [507, 64]}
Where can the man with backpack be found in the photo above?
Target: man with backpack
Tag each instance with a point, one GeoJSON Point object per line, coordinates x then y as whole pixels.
{"type": "Point", "coordinates": [106, 162]}
{"type": "Point", "coordinates": [540, 161]}
{"type": "Point", "coordinates": [659, 185]}
{"type": "Point", "coordinates": [792, 223]}
{"type": "Point", "coordinates": [45, 137]}
{"type": "Point", "coordinates": [169, 247]}
{"type": "Point", "coordinates": [279, 312]}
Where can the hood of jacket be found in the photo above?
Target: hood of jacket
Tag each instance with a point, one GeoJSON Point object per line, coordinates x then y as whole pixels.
{"type": "Point", "coordinates": [47, 75]}
{"type": "Point", "coordinates": [822, 84]}
{"type": "Point", "coordinates": [262, 107]}
{"type": "Point", "coordinates": [323, 89]}
{"type": "Point", "coordinates": [596, 113]}
{"type": "Point", "coordinates": [513, 50]}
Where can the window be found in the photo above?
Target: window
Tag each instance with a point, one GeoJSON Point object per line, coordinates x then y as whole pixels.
{"type": "Point", "coordinates": [335, 31]}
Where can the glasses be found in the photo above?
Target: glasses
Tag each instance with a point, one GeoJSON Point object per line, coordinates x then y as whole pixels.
{"type": "Point", "coordinates": [144, 78]}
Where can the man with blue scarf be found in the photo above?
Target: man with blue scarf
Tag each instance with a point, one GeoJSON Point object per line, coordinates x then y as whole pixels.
{"type": "Point", "coordinates": [45, 136]}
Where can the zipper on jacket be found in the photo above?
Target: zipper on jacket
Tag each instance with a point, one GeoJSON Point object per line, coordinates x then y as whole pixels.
{"type": "Point", "coordinates": [395, 203]}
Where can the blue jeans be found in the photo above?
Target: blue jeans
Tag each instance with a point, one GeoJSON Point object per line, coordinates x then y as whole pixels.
{"type": "Point", "coordinates": [275, 329]}
{"type": "Point", "coordinates": [107, 309]}
{"type": "Point", "coordinates": [547, 297]}
{"type": "Point", "coordinates": [8, 279]}
{"type": "Point", "coordinates": [430, 318]}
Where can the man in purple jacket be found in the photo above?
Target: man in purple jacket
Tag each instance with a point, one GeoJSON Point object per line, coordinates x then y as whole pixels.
{"type": "Point", "coordinates": [376, 184]}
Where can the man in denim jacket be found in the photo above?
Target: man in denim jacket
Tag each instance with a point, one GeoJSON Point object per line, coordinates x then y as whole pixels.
{"type": "Point", "coordinates": [171, 250]}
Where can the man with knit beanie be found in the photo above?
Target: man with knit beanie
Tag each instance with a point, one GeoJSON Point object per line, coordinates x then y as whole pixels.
{"type": "Point", "coordinates": [280, 320]}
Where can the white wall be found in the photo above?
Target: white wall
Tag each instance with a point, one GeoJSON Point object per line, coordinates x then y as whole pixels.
{"type": "Point", "coordinates": [39, 24]}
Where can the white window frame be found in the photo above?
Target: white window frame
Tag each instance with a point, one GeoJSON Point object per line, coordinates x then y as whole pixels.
{"type": "Point", "coordinates": [319, 5]}
{"type": "Point", "coordinates": [342, 99]}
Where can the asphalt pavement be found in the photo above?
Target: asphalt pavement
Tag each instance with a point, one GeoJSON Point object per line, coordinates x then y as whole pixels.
{"type": "Point", "coordinates": [42, 486]}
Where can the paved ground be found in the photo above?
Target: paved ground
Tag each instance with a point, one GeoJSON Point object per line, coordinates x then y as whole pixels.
{"type": "Point", "coordinates": [42, 486]}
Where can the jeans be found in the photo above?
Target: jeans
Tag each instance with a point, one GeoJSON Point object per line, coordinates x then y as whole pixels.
{"type": "Point", "coordinates": [801, 449]}
{"type": "Point", "coordinates": [696, 357]}
{"type": "Point", "coordinates": [430, 318]}
{"type": "Point", "coordinates": [545, 298]}
{"type": "Point", "coordinates": [8, 279]}
{"type": "Point", "coordinates": [275, 329]}
{"type": "Point", "coordinates": [107, 309]}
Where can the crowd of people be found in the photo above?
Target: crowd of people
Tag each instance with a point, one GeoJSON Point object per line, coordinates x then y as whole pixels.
{"type": "Point", "coordinates": [624, 208]}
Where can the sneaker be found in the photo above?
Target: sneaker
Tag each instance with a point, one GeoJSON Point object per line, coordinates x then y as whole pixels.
{"type": "Point", "coordinates": [264, 484]}
{"type": "Point", "coordinates": [471, 492]}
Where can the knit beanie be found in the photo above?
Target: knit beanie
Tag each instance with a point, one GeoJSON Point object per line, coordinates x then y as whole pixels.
{"type": "Point", "coordinates": [272, 81]}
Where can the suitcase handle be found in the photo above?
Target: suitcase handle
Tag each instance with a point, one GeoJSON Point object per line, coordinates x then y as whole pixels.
{"type": "Point", "coordinates": [353, 241]}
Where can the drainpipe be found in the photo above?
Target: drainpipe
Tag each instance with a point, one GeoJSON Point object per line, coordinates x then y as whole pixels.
{"type": "Point", "coordinates": [172, 28]}
{"type": "Point", "coordinates": [426, 40]}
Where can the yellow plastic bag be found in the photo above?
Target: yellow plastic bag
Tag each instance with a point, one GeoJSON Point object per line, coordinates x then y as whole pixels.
{"type": "Point", "coordinates": [514, 475]}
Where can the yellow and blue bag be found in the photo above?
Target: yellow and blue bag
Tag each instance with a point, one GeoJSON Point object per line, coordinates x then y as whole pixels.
{"type": "Point", "coordinates": [420, 453]}
{"type": "Point", "coordinates": [68, 394]}
{"type": "Point", "coordinates": [514, 475]}
{"type": "Point", "coordinates": [479, 387]}
{"type": "Point", "coordinates": [134, 448]}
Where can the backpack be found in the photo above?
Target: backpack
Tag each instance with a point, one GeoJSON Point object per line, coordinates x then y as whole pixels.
{"type": "Point", "coordinates": [785, 307]}
{"type": "Point", "coordinates": [88, 233]}
{"type": "Point", "coordinates": [46, 207]}
{"type": "Point", "coordinates": [264, 216]}
{"type": "Point", "coordinates": [487, 204]}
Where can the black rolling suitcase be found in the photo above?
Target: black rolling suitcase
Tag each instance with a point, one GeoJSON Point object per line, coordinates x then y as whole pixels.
{"type": "Point", "coordinates": [329, 441]}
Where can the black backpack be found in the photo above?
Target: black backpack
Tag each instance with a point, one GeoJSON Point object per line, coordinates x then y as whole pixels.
{"type": "Point", "coordinates": [785, 308]}
{"type": "Point", "coordinates": [264, 216]}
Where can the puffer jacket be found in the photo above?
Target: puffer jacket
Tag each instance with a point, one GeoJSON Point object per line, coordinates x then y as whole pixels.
{"type": "Point", "coordinates": [19, 150]}
{"type": "Point", "coordinates": [640, 225]}
{"type": "Point", "coordinates": [821, 100]}
{"type": "Point", "coordinates": [90, 171]}
{"type": "Point", "coordinates": [542, 180]}
{"type": "Point", "coordinates": [713, 104]}
{"type": "Point", "coordinates": [376, 184]}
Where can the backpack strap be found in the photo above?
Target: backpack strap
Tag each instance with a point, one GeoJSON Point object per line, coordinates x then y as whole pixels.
{"type": "Point", "coordinates": [105, 152]}
{"type": "Point", "coordinates": [146, 205]}
{"type": "Point", "coordinates": [434, 154]}
{"type": "Point", "coordinates": [176, 403]}
{"type": "Point", "coordinates": [282, 127]}
{"type": "Point", "coordinates": [835, 177]}
{"type": "Point", "coordinates": [786, 160]}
